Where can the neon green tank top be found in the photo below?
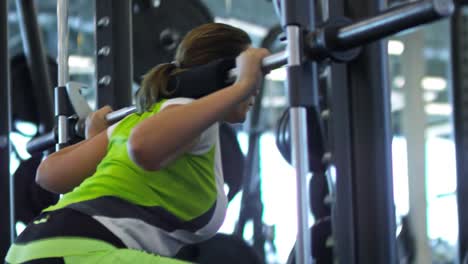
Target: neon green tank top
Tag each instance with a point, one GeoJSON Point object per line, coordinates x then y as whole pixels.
{"type": "Point", "coordinates": [187, 192]}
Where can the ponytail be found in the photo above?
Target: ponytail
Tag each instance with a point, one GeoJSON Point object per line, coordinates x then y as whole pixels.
{"type": "Point", "coordinates": [200, 46]}
{"type": "Point", "coordinates": [153, 86]}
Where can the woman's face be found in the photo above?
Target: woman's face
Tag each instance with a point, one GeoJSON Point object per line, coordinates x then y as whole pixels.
{"type": "Point", "coordinates": [239, 113]}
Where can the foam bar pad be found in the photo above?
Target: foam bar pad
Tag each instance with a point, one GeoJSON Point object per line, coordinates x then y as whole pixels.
{"type": "Point", "coordinates": [201, 80]}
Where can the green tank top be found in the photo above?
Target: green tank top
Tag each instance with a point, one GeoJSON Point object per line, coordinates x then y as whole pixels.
{"type": "Point", "coordinates": [187, 195]}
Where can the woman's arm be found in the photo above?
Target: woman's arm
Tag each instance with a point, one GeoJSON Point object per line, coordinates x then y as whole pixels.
{"type": "Point", "coordinates": [61, 171]}
{"type": "Point", "coordinates": [173, 129]}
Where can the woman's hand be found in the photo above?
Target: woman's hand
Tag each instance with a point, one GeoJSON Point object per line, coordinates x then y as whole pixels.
{"type": "Point", "coordinates": [249, 65]}
{"type": "Point", "coordinates": [96, 122]}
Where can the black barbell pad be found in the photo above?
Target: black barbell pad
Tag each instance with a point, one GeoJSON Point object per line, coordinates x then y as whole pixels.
{"type": "Point", "coordinates": [201, 80]}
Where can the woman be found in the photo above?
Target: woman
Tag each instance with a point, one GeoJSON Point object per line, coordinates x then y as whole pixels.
{"type": "Point", "coordinates": [143, 188]}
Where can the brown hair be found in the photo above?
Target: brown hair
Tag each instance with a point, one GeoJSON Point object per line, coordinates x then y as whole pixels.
{"type": "Point", "coordinates": [200, 46]}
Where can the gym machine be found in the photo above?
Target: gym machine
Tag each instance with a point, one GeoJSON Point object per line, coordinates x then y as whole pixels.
{"type": "Point", "coordinates": [6, 186]}
{"type": "Point", "coordinates": [338, 40]}
{"type": "Point", "coordinates": [459, 39]}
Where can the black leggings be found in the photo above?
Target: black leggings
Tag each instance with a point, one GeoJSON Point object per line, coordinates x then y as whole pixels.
{"type": "Point", "coordinates": [65, 223]}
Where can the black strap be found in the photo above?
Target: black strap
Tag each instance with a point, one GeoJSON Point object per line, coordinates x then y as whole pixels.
{"type": "Point", "coordinates": [67, 223]}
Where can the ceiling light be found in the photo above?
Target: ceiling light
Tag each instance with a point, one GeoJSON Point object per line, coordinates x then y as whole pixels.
{"type": "Point", "coordinates": [397, 101]}
{"type": "Point", "coordinates": [434, 83]}
{"type": "Point", "coordinates": [399, 81]}
{"type": "Point", "coordinates": [429, 96]}
{"type": "Point", "coordinates": [277, 75]}
{"type": "Point", "coordinates": [438, 109]}
{"type": "Point", "coordinates": [395, 47]}
{"type": "Point", "coordinates": [80, 64]}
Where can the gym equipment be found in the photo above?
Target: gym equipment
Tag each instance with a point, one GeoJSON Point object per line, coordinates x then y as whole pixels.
{"type": "Point", "coordinates": [38, 63]}
{"type": "Point", "coordinates": [318, 187]}
{"type": "Point", "coordinates": [459, 40]}
{"type": "Point", "coordinates": [7, 231]}
{"type": "Point", "coordinates": [318, 163]}
{"type": "Point", "coordinates": [333, 40]}
{"type": "Point", "coordinates": [322, 243]}
{"type": "Point", "coordinates": [232, 159]}
{"type": "Point", "coordinates": [30, 198]}
{"type": "Point", "coordinates": [37, 79]}
{"type": "Point", "coordinates": [24, 105]}
{"type": "Point", "coordinates": [405, 242]}
{"type": "Point", "coordinates": [158, 30]}
{"type": "Point", "coordinates": [316, 146]}
{"type": "Point", "coordinates": [213, 76]}
{"type": "Point", "coordinates": [277, 7]}
{"type": "Point", "coordinates": [338, 40]}
{"type": "Point", "coordinates": [251, 207]}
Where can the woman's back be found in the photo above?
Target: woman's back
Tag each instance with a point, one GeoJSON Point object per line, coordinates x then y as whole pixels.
{"type": "Point", "coordinates": [175, 202]}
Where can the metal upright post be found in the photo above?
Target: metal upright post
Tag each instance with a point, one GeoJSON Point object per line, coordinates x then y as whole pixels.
{"type": "Point", "coordinates": [114, 55]}
{"type": "Point", "coordinates": [459, 35]}
{"type": "Point", "coordinates": [302, 85]}
{"type": "Point", "coordinates": [340, 133]}
{"type": "Point", "coordinates": [363, 214]}
{"type": "Point", "coordinates": [63, 35]}
{"type": "Point", "coordinates": [374, 214]}
{"type": "Point", "coordinates": [38, 67]}
{"type": "Point", "coordinates": [61, 112]}
{"type": "Point", "coordinates": [6, 186]}
{"type": "Point", "coordinates": [414, 128]}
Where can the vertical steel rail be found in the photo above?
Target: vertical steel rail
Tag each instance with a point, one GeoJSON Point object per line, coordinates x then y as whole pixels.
{"type": "Point", "coordinates": [302, 86]}
{"type": "Point", "coordinates": [114, 57]}
{"type": "Point", "coordinates": [299, 154]}
{"type": "Point", "coordinates": [459, 31]}
{"type": "Point", "coordinates": [60, 90]}
{"type": "Point", "coordinates": [63, 35]}
{"type": "Point", "coordinates": [6, 186]}
{"type": "Point", "coordinates": [37, 61]}
{"type": "Point", "coordinates": [374, 214]}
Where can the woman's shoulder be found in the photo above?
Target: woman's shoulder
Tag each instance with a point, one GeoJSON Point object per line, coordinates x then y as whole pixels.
{"type": "Point", "coordinates": [175, 101]}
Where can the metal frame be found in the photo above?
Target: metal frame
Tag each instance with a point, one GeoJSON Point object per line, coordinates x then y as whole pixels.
{"type": "Point", "coordinates": [340, 133]}
{"type": "Point", "coordinates": [364, 220]}
{"type": "Point", "coordinates": [340, 139]}
{"type": "Point", "coordinates": [114, 56]}
{"type": "Point", "coordinates": [459, 35]}
{"type": "Point", "coordinates": [6, 185]}
{"type": "Point", "coordinates": [61, 110]}
{"type": "Point", "coordinates": [251, 205]}
{"type": "Point", "coordinates": [36, 57]}
{"type": "Point", "coordinates": [369, 99]}
{"type": "Point", "coordinates": [302, 86]}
